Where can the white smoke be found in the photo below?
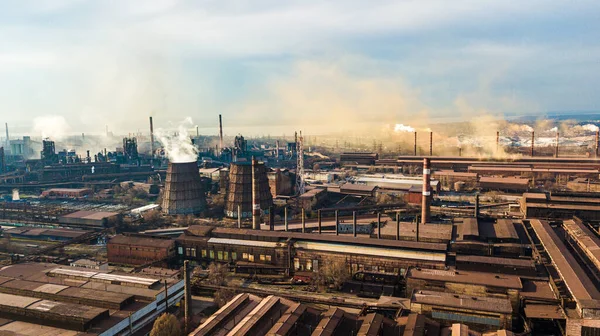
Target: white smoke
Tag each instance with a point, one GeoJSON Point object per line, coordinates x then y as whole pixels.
{"type": "Point", "coordinates": [178, 147]}
{"type": "Point", "coordinates": [403, 128]}
{"type": "Point", "coordinates": [53, 127]}
{"type": "Point", "coordinates": [553, 129]}
{"type": "Point", "coordinates": [590, 127]}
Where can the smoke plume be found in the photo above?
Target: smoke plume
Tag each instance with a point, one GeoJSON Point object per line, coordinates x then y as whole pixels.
{"type": "Point", "coordinates": [403, 128]}
{"type": "Point", "coordinates": [178, 146]}
{"type": "Point", "coordinates": [51, 126]}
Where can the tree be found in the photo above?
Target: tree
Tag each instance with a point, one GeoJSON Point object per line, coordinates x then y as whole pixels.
{"type": "Point", "coordinates": [166, 325]}
{"type": "Point", "coordinates": [188, 220]}
{"type": "Point", "coordinates": [217, 274]}
{"type": "Point", "coordinates": [332, 272]}
{"type": "Point", "coordinates": [153, 218]}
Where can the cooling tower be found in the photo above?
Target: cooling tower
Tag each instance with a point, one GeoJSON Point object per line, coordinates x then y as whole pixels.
{"type": "Point", "coordinates": [184, 193]}
{"type": "Point", "coordinates": [240, 189]}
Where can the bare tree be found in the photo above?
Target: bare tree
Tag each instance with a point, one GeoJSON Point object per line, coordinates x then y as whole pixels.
{"type": "Point", "coordinates": [332, 272]}
{"type": "Point", "coordinates": [153, 218]}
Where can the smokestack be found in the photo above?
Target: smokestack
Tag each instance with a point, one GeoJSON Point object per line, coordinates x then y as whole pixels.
{"type": "Point", "coordinates": [354, 223]}
{"type": "Point", "coordinates": [476, 212]}
{"type": "Point", "coordinates": [197, 132]}
{"type": "Point", "coordinates": [426, 199]}
{"type": "Point", "coordinates": [337, 222]}
{"type": "Point", "coordinates": [319, 219]}
{"type": "Point", "coordinates": [188, 296]}
{"type": "Point", "coordinates": [397, 225]}
{"type": "Point", "coordinates": [239, 216]}
{"type": "Point", "coordinates": [430, 143]}
{"type": "Point", "coordinates": [303, 221]}
{"type": "Point", "coordinates": [556, 148]}
{"type": "Point", "coordinates": [532, 142]}
{"type": "Point", "coordinates": [497, 142]}
{"type": "Point", "coordinates": [151, 138]}
{"type": "Point", "coordinates": [378, 225]}
{"type": "Point", "coordinates": [272, 218]}
{"type": "Point", "coordinates": [7, 138]}
{"type": "Point", "coordinates": [255, 197]}
{"type": "Point", "coordinates": [285, 218]}
{"type": "Point", "coordinates": [415, 143]}
{"type": "Point", "coordinates": [220, 133]}
{"type": "Point", "coordinates": [459, 151]}
{"type": "Point", "coordinates": [277, 150]}
{"type": "Point", "coordinates": [597, 141]}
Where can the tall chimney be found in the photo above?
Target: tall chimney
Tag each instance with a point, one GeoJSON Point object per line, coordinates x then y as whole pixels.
{"type": "Point", "coordinates": [415, 143]}
{"type": "Point", "coordinates": [426, 199]}
{"type": "Point", "coordinates": [556, 148]}
{"type": "Point", "coordinates": [255, 196]}
{"type": "Point", "coordinates": [277, 150]}
{"type": "Point", "coordinates": [459, 151]}
{"type": "Point", "coordinates": [430, 143]}
{"type": "Point", "coordinates": [7, 139]}
{"type": "Point", "coordinates": [476, 212]}
{"type": "Point", "coordinates": [532, 142]}
{"type": "Point", "coordinates": [597, 140]}
{"type": "Point", "coordinates": [220, 133]}
{"type": "Point", "coordinates": [497, 142]}
{"type": "Point", "coordinates": [188, 296]}
{"type": "Point", "coordinates": [354, 223]}
{"type": "Point", "coordinates": [151, 138]}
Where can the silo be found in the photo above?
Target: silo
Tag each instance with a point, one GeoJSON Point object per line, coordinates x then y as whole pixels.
{"type": "Point", "coordinates": [184, 192]}
{"type": "Point", "coordinates": [240, 189]}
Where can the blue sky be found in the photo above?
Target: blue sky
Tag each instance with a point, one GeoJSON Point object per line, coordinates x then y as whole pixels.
{"type": "Point", "coordinates": [281, 65]}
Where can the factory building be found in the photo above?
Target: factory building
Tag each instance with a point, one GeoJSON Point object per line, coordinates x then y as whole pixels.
{"type": "Point", "coordinates": [561, 205]}
{"type": "Point", "coordinates": [576, 287]}
{"type": "Point", "coordinates": [483, 313]}
{"type": "Point", "coordinates": [66, 193]}
{"type": "Point", "coordinates": [49, 299]}
{"type": "Point", "coordinates": [253, 251]}
{"type": "Point", "coordinates": [139, 249]}
{"type": "Point", "coordinates": [35, 233]}
{"type": "Point", "coordinates": [184, 192]}
{"type": "Point", "coordinates": [248, 314]}
{"type": "Point", "coordinates": [510, 184]}
{"type": "Point", "coordinates": [359, 158]}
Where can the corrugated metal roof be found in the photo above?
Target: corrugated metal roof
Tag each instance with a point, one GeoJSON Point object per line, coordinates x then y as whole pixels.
{"type": "Point", "coordinates": [372, 251]}
{"type": "Point", "coordinates": [241, 242]}
{"type": "Point", "coordinates": [478, 303]}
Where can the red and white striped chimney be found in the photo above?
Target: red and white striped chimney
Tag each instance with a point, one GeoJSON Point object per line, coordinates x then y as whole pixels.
{"type": "Point", "coordinates": [255, 196]}
{"type": "Point", "coordinates": [426, 199]}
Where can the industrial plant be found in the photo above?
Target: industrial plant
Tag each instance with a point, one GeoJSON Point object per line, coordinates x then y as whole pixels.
{"type": "Point", "coordinates": [301, 235]}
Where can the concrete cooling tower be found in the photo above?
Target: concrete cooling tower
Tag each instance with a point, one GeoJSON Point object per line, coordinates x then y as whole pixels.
{"type": "Point", "coordinates": [184, 192]}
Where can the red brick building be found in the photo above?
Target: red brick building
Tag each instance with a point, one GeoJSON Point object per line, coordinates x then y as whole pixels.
{"type": "Point", "coordinates": [139, 250]}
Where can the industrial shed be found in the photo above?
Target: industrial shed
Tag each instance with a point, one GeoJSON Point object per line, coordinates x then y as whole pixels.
{"type": "Point", "coordinates": [90, 219]}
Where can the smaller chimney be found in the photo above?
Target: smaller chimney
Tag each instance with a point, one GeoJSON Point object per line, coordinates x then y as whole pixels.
{"type": "Point", "coordinates": [220, 133]}
{"type": "Point", "coordinates": [430, 143]}
{"type": "Point", "coordinates": [397, 225]}
{"type": "Point", "coordinates": [532, 143]}
{"type": "Point", "coordinates": [303, 220]}
{"type": "Point", "coordinates": [415, 143]}
{"type": "Point", "coordinates": [188, 296]}
{"type": "Point", "coordinates": [239, 216]}
{"type": "Point", "coordinates": [319, 219]}
{"type": "Point", "coordinates": [476, 212]}
{"type": "Point", "coordinates": [337, 222]}
{"type": "Point", "coordinates": [459, 151]}
{"type": "Point", "coordinates": [151, 138]}
{"type": "Point", "coordinates": [497, 142]}
{"type": "Point", "coordinates": [255, 196]}
{"type": "Point", "coordinates": [272, 218]}
{"type": "Point", "coordinates": [378, 225]}
{"type": "Point", "coordinates": [597, 141]}
{"type": "Point", "coordinates": [426, 199]}
{"type": "Point", "coordinates": [556, 148]}
{"type": "Point", "coordinates": [354, 223]}
{"type": "Point", "coordinates": [285, 219]}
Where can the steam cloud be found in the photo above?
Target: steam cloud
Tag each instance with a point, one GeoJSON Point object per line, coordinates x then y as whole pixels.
{"type": "Point", "coordinates": [178, 147]}
{"type": "Point", "coordinates": [54, 127]}
{"type": "Point", "coordinates": [403, 128]}
{"type": "Point", "coordinates": [590, 127]}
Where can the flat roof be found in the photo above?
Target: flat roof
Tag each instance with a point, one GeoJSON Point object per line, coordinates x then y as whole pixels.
{"type": "Point", "coordinates": [372, 251]}
{"type": "Point", "coordinates": [466, 277]}
{"type": "Point", "coordinates": [501, 229]}
{"type": "Point", "coordinates": [585, 238]}
{"type": "Point", "coordinates": [242, 242]}
{"type": "Point", "coordinates": [138, 240]}
{"type": "Point", "coordinates": [542, 311]}
{"type": "Point", "coordinates": [575, 278]}
{"type": "Point", "coordinates": [537, 289]}
{"type": "Point", "coordinates": [504, 180]}
{"type": "Point", "coordinates": [478, 303]}
{"type": "Point", "coordinates": [525, 263]}
{"type": "Point", "coordinates": [426, 231]}
{"type": "Point", "coordinates": [93, 215]}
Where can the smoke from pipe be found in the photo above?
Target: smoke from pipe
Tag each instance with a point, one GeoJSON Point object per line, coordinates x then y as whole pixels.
{"type": "Point", "coordinates": [178, 147]}
{"type": "Point", "coordinates": [403, 128]}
